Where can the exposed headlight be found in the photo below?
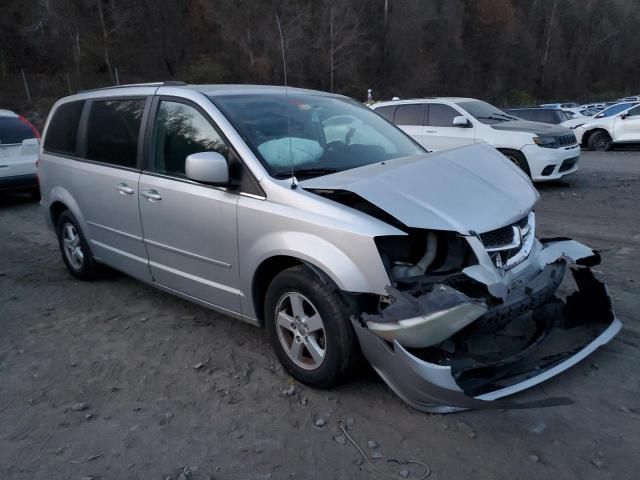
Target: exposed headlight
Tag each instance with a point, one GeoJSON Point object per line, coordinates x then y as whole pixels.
{"type": "Point", "coordinates": [545, 142]}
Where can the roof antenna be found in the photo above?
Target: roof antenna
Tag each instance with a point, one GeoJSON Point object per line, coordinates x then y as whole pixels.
{"type": "Point", "coordinates": [294, 181]}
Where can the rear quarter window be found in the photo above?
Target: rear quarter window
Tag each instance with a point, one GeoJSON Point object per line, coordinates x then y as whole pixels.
{"type": "Point", "coordinates": [13, 130]}
{"type": "Point", "coordinates": [62, 133]}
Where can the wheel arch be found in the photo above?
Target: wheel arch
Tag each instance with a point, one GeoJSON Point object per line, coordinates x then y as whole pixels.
{"type": "Point", "coordinates": [589, 133]}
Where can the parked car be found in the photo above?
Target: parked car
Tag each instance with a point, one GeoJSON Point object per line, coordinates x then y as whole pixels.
{"type": "Point", "coordinates": [554, 116]}
{"type": "Point", "coordinates": [309, 214]}
{"type": "Point", "coordinates": [18, 153]}
{"type": "Point", "coordinates": [542, 151]}
{"type": "Point", "coordinates": [607, 112]}
{"type": "Point", "coordinates": [602, 133]}
{"type": "Point", "coordinates": [633, 98]}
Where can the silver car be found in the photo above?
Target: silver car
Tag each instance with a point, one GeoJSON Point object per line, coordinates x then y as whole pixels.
{"type": "Point", "coordinates": [311, 215]}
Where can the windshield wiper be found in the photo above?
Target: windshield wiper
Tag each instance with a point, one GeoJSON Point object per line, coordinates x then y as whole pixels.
{"type": "Point", "coordinates": [307, 172]}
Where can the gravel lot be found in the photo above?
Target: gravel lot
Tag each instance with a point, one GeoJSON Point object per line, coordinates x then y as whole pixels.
{"type": "Point", "coordinates": [116, 380]}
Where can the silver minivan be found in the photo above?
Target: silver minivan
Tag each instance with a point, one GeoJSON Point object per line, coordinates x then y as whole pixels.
{"type": "Point", "coordinates": [309, 214]}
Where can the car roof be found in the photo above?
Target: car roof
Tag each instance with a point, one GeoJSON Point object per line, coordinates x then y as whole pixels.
{"type": "Point", "coordinates": [210, 89]}
{"type": "Point", "coordinates": [8, 113]}
{"type": "Point", "coordinates": [409, 101]}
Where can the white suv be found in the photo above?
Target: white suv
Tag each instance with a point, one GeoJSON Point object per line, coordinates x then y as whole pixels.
{"type": "Point", "coordinates": [602, 133]}
{"type": "Point", "coordinates": [19, 142]}
{"type": "Point", "coordinates": [543, 151]}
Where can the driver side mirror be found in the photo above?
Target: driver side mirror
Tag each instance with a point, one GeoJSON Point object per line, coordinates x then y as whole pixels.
{"type": "Point", "coordinates": [624, 115]}
{"type": "Point", "coordinates": [207, 167]}
{"type": "Point", "coordinates": [461, 121]}
{"type": "Point", "coordinates": [600, 115]}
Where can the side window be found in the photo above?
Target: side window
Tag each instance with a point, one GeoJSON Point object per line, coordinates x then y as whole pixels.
{"type": "Point", "coordinates": [412, 114]}
{"type": "Point", "coordinates": [63, 128]}
{"type": "Point", "coordinates": [441, 115]}
{"type": "Point", "coordinates": [634, 112]}
{"type": "Point", "coordinates": [113, 130]}
{"type": "Point", "coordinates": [387, 112]}
{"type": "Point", "coordinates": [180, 131]}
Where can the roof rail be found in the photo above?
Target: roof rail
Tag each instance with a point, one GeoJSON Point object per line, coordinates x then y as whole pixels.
{"type": "Point", "coordinates": [168, 83]}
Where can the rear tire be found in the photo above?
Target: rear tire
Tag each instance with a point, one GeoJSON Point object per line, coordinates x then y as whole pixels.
{"type": "Point", "coordinates": [599, 141]}
{"type": "Point", "coordinates": [309, 328]}
{"type": "Point", "coordinates": [74, 248]}
{"type": "Point", "coordinates": [518, 159]}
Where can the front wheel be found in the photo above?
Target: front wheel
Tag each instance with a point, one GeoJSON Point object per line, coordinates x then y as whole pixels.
{"type": "Point", "coordinates": [308, 326]}
{"type": "Point", "coordinates": [518, 159]}
{"type": "Point", "coordinates": [600, 142]}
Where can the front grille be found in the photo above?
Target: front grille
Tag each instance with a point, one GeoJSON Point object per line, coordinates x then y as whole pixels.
{"type": "Point", "coordinates": [497, 238]}
{"type": "Point", "coordinates": [568, 164]}
{"type": "Point", "coordinates": [566, 140]}
{"type": "Point", "coordinates": [508, 246]}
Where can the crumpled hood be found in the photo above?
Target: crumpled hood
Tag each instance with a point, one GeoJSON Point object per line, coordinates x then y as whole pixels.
{"type": "Point", "coordinates": [472, 188]}
{"type": "Point", "coordinates": [532, 127]}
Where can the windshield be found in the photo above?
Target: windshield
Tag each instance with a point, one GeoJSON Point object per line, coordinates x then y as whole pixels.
{"type": "Point", "coordinates": [485, 112]}
{"type": "Point", "coordinates": [607, 112]}
{"type": "Point", "coordinates": [313, 134]}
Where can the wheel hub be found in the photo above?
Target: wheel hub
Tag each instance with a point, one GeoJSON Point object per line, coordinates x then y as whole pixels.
{"type": "Point", "coordinates": [300, 330]}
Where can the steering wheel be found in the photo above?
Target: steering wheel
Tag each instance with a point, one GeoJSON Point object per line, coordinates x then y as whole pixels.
{"type": "Point", "coordinates": [334, 146]}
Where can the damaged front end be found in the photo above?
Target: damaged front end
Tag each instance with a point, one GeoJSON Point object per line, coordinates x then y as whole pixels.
{"type": "Point", "coordinates": [468, 322]}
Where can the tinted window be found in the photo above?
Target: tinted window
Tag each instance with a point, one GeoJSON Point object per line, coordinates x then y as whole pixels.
{"type": "Point", "coordinates": [634, 112]}
{"type": "Point", "coordinates": [409, 115]}
{"type": "Point", "coordinates": [113, 130]}
{"type": "Point", "coordinates": [387, 112]}
{"type": "Point", "coordinates": [14, 130]}
{"type": "Point", "coordinates": [63, 128]}
{"type": "Point", "coordinates": [441, 115]}
{"type": "Point", "coordinates": [180, 131]}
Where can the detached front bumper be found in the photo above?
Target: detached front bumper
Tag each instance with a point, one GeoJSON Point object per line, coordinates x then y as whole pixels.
{"type": "Point", "coordinates": [529, 338]}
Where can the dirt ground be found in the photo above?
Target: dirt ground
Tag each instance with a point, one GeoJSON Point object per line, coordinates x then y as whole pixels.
{"type": "Point", "coordinates": [115, 380]}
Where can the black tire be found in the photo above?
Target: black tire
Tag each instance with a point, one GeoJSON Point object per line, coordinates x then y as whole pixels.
{"type": "Point", "coordinates": [518, 159]}
{"type": "Point", "coordinates": [599, 141]}
{"type": "Point", "coordinates": [85, 268]}
{"type": "Point", "coordinates": [35, 194]}
{"type": "Point", "coordinates": [341, 347]}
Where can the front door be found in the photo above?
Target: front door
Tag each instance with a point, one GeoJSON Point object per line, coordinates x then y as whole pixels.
{"type": "Point", "coordinates": [189, 228]}
{"type": "Point", "coordinates": [440, 130]}
{"type": "Point", "coordinates": [627, 129]}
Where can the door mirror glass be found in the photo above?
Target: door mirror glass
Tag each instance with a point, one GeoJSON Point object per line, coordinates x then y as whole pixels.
{"type": "Point", "coordinates": [461, 121]}
{"type": "Point", "coordinates": [207, 167]}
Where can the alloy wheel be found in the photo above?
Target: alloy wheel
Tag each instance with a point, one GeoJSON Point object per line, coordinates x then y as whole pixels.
{"type": "Point", "coordinates": [72, 246]}
{"type": "Point", "coordinates": [301, 331]}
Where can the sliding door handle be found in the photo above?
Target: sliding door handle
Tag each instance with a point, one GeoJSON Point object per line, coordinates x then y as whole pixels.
{"type": "Point", "coordinates": [124, 189]}
{"type": "Point", "coordinates": [151, 194]}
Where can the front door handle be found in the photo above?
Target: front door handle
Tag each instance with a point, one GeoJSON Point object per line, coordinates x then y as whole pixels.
{"type": "Point", "coordinates": [151, 194]}
{"type": "Point", "coordinates": [430, 131]}
{"type": "Point", "coordinates": [124, 189]}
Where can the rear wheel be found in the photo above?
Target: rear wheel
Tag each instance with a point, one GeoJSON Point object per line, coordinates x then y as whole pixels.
{"type": "Point", "coordinates": [518, 159]}
{"type": "Point", "coordinates": [600, 141]}
{"type": "Point", "coordinates": [309, 327]}
{"type": "Point", "coordinates": [74, 248]}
